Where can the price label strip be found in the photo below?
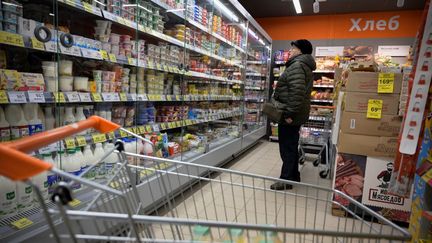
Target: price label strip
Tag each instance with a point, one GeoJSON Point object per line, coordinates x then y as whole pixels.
{"type": "Point", "coordinates": [149, 128]}
{"type": "Point", "coordinates": [17, 97]}
{"type": "Point", "coordinates": [112, 58]}
{"type": "Point", "coordinates": [163, 126]}
{"type": "Point", "coordinates": [97, 97]}
{"type": "Point", "coordinates": [11, 39]}
{"type": "Point", "coordinates": [36, 44]}
{"type": "Point", "coordinates": [73, 97]}
{"type": "Point", "coordinates": [22, 223]}
{"type": "Point", "coordinates": [74, 203]}
{"type": "Point", "coordinates": [36, 97]}
{"type": "Point", "coordinates": [99, 138]}
{"type": "Point", "coordinates": [104, 54]}
{"type": "Point", "coordinates": [111, 135]}
{"type": "Point", "coordinates": [59, 97]}
{"type": "Point", "coordinates": [123, 97]}
{"type": "Point", "coordinates": [374, 110]}
{"type": "Point", "coordinates": [3, 97]}
{"type": "Point", "coordinates": [70, 143]}
{"type": "Point", "coordinates": [123, 134]}
{"type": "Point", "coordinates": [85, 97]}
{"type": "Point", "coordinates": [386, 83]}
{"type": "Point", "coordinates": [81, 141]}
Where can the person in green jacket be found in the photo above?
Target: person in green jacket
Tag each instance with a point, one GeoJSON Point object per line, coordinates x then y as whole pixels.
{"type": "Point", "coordinates": [292, 95]}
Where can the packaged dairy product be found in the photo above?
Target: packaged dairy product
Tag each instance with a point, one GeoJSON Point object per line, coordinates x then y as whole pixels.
{"type": "Point", "coordinates": [35, 124]}
{"type": "Point", "coordinates": [5, 132]}
{"type": "Point", "coordinates": [79, 116]}
{"type": "Point", "coordinates": [15, 117]}
{"type": "Point", "coordinates": [49, 119]}
{"type": "Point", "coordinates": [89, 160]}
{"type": "Point", "coordinates": [69, 116]}
{"type": "Point", "coordinates": [52, 178]}
{"type": "Point", "coordinates": [41, 181]}
{"type": "Point", "coordinates": [111, 160]}
{"type": "Point", "coordinates": [24, 195]}
{"type": "Point", "coordinates": [80, 158]}
{"type": "Point", "coordinates": [72, 166]}
{"type": "Point", "coordinates": [8, 197]}
{"type": "Point", "coordinates": [100, 167]}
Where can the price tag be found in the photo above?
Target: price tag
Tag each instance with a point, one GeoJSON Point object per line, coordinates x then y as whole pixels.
{"type": "Point", "coordinates": [36, 44]}
{"type": "Point", "coordinates": [148, 128]}
{"type": "Point", "coordinates": [178, 97]}
{"type": "Point", "coordinates": [17, 97]}
{"type": "Point", "coordinates": [165, 68]}
{"type": "Point", "coordinates": [109, 15]}
{"type": "Point", "coordinates": [132, 61]}
{"type": "Point", "coordinates": [386, 83]}
{"type": "Point", "coordinates": [59, 97]}
{"type": "Point", "coordinates": [170, 69]}
{"type": "Point", "coordinates": [114, 184]}
{"type": "Point", "coordinates": [11, 39]}
{"type": "Point", "coordinates": [89, 53]}
{"type": "Point", "coordinates": [123, 96]}
{"type": "Point", "coordinates": [74, 203]}
{"type": "Point", "coordinates": [163, 126]}
{"type": "Point", "coordinates": [150, 64]}
{"type": "Point", "coordinates": [140, 130]}
{"type": "Point", "coordinates": [36, 97]}
{"type": "Point", "coordinates": [188, 122]}
{"type": "Point", "coordinates": [98, 138]}
{"type": "Point", "coordinates": [141, 97]}
{"type": "Point", "coordinates": [374, 109]}
{"type": "Point", "coordinates": [107, 96]}
{"type": "Point", "coordinates": [3, 97]}
{"type": "Point", "coordinates": [97, 97]}
{"type": "Point", "coordinates": [73, 97]}
{"type": "Point", "coordinates": [85, 97]}
{"type": "Point", "coordinates": [155, 128]}
{"type": "Point", "coordinates": [158, 66]}
{"type": "Point", "coordinates": [87, 7]}
{"type": "Point", "coordinates": [123, 134]}
{"type": "Point", "coordinates": [112, 57]}
{"type": "Point", "coordinates": [111, 135]}
{"type": "Point", "coordinates": [169, 97]}
{"type": "Point", "coordinates": [66, 50]}
{"type": "Point", "coordinates": [22, 223]}
{"type": "Point", "coordinates": [70, 143]}
{"type": "Point", "coordinates": [171, 124]}
{"type": "Point", "coordinates": [121, 20]}
{"type": "Point", "coordinates": [81, 141]}
{"type": "Point", "coordinates": [104, 54]}
{"type": "Point", "coordinates": [178, 123]}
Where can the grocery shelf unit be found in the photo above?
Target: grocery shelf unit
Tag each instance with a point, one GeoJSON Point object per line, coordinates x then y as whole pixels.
{"type": "Point", "coordinates": [196, 71]}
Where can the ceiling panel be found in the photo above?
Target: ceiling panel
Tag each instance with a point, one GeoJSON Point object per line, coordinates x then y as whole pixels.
{"type": "Point", "coordinates": [276, 8]}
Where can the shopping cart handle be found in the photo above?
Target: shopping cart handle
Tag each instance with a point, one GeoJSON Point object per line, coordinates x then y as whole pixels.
{"type": "Point", "coordinates": [39, 140]}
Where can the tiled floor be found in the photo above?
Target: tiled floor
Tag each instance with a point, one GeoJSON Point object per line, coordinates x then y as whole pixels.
{"type": "Point", "coordinates": [244, 198]}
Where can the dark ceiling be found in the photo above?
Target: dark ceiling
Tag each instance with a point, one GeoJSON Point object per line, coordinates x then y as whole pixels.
{"type": "Point", "coordinates": [276, 8]}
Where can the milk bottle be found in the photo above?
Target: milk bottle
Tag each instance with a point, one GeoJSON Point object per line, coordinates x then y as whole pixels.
{"type": "Point", "coordinates": [15, 117]}
{"type": "Point", "coordinates": [5, 132]}
{"type": "Point", "coordinates": [8, 197]}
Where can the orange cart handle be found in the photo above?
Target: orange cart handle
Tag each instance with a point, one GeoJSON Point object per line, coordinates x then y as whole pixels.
{"type": "Point", "coordinates": [17, 165]}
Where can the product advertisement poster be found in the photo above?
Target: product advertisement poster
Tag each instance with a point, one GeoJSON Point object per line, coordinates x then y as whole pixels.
{"type": "Point", "coordinates": [376, 182]}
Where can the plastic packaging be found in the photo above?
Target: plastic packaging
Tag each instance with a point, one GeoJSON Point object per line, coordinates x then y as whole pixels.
{"type": "Point", "coordinates": [41, 181]}
{"type": "Point", "coordinates": [35, 124]}
{"type": "Point", "coordinates": [52, 178]}
{"type": "Point", "coordinates": [24, 195]}
{"type": "Point", "coordinates": [8, 197]}
{"type": "Point", "coordinates": [89, 160]}
{"type": "Point", "coordinates": [69, 117]}
{"type": "Point", "coordinates": [65, 67]}
{"type": "Point", "coordinates": [111, 160]}
{"type": "Point", "coordinates": [5, 132]}
{"type": "Point", "coordinates": [99, 168]}
{"type": "Point", "coordinates": [72, 166]}
{"type": "Point", "coordinates": [49, 119]}
{"type": "Point", "coordinates": [19, 125]}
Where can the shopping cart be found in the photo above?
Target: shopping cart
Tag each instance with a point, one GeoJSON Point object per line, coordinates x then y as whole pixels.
{"type": "Point", "coordinates": [315, 138]}
{"type": "Point", "coordinates": [213, 204]}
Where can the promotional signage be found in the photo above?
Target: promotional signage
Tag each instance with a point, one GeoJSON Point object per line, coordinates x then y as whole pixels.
{"type": "Point", "coordinates": [376, 182]}
{"type": "Point", "coordinates": [329, 51]}
{"type": "Point", "coordinates": [394, 51]}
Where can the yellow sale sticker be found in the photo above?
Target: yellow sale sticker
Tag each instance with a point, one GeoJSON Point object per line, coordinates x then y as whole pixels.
{"type": "Point", "coordinates": [81, 140]}
{"type": "Point", "coordinates": [22, 223]}
{"type": "Point", "coordinates": [112, 57]}
{"type": "Point", "coordinates": [70, 143]}
{"type": "Point", "coordinates": [123, 97]}
{"type": "Point", "coordinates": [141, 130]}
{"type": "Point", "coordinates": [97, 97]}
{"type": "Point", "coordinates": [99, 138]}
{"type": "Point", "coordinates": [386, 82]}
{"type": "Point", "coordinates": [149, 128]}
{"type": "Point", "coordinates": [59, 97]}
{"type": "Point", "coordinates": [36, 44]}
{"type": "Point", "coordinates": [104, 54]}
{"type": "Point", "coordinates": [374, 110]}
{"type": "Point", "coordinates": [123, 134]}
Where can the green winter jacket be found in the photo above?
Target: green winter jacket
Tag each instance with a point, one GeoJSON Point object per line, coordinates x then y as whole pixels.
{"type": "Point", "coordinates": [293, 89]}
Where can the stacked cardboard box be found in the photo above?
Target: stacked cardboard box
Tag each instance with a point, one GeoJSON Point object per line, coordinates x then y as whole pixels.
{"type": "Point", "coordinates": [365, 136]}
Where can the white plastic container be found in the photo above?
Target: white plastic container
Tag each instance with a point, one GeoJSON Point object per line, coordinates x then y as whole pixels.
{"type": "Point", "coordinates": [65, 67]}
{"type": "Point", "coordinates": [35, 124]}
{"type": "Point", "coordinates": [5, 132]}
{"type": "Point", "coordinates": [8, 197]}
{"type": "Point", "coordinates": [111, 160]}
{"type": "Point", "coordinates": [49, 118]}
{"type": "Point", "coordinates": [89, 160]}
{"type": "Point", "coordinates": [99, 168]}
{"type": "Point", "coordinates": [51, 84]}
{"type": "Point", "coordinates": [66, 83]}
{"type": "Point", "coordinates": [69, 116]}
{"type": "Point", "coordinates": [52, 178]}
{"type": "Point", "coordinates": [72, 166]}
{"type": "Point", "coordinates": [79, 116]}
{"type": "Point", "coordinates": [80, 84]}
{"type": "Point", "coordinates": [41, 181]}
{"type": "Point", "coordinates": [24, 196]}
{"type": "Point", "coordinates": [80, 158]}
{"type": "Point", "coordinates": [19, 125]}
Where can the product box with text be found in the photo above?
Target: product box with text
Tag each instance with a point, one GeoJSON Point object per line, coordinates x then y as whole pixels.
{"type": "Point", "coordinates": [367, 145]}
{"type": "Point", "coordinates": [358, 123]}
{"type": "Point", "coordinates": [358, 102]}
{"type": "Point", "coordinates": [368, 82]}
{"type": "Point", "coordinates": [366, 179]}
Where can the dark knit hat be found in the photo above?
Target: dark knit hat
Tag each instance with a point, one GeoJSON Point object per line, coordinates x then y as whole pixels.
{"type": "Point", "coordinates": [304, 45]}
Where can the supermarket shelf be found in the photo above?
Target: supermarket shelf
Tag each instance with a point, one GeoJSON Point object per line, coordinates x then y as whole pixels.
{"type": "Point", "coordinates": [22, 97]}
{"type": "Point", "coordinates": [117, 19]}
{"type": "Point", "coordinates": [80, 141]}
{"type": "Point", "coordinates": [319, 118]}
{"type": "Point", "coordinates": [252, 110]}
{"type": "Point", "coordinates": [323, 86]}
{"type": "Point", "coordinates": [323, 71]}
{"type": "Point", "coordinates": [255, 74]}
{"type": "Point", "coordinates": [258, 100]}
{"type": "Point", "coordinates": [323, 101]}
{"type": "Point", "coordinates": [274, 138]}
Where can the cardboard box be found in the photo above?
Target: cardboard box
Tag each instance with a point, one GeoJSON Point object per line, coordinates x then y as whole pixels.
{"type": "Point", "coordinates": [368, 82]}
{"type": "Point", "coordinates": [358, 102]}
{"type": "Point", "coordinates": [367, 145]}
{"type": "Point", "coordinates": [357, 123]}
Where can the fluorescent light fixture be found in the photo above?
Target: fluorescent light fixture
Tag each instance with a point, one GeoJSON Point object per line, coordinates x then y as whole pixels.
{"type": "Point", "coordinates": [224, 9]}
{"type": "Point", "coordinates": [253, 34]}
{"type": "Point", "coordinates": [400, 3]}
{"type": "Point", "coordinates": [297, 6]}
{"type": "Point", "coordinates": [261, 41]}
{"type": "Point", "coordinates": [11, 4]}
{"type": "Point", "coordinates": [101, 3]}
{"type": "Point", "coordinates": [51, 14]}
{"type": "Point", "coordinates": [316, 6]}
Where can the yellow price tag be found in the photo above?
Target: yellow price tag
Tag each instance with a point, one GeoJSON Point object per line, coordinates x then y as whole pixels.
{"type": "Point", "coordinates": [158, 66]}
{"type": "Point", "coordinates": [374, 110]}
{"type": "Point", "coordinates": [74, 203]}
{"type": "Point", "coordinates": [386, 83]}
{"type": "Point", "coordinates": [123, 96]}
{"type": "Point", "coordinates": [59, 97]}
{"type": "Point", "coordinates": [169, 97]}
{"type": "Point", "coordinates": [81, 141]}
{"type": "Point", "coordinates": [87, 7]}
{"type": "Point", "coordinates": [104, 54]}
{"type": "Point", "coordinates": [22, 223]}
{"type": "Point", "coordinates": [131, 61]}
{"type": "Point", "coordinates": [150, 64]}
{"type": "Point", "coordinates": [99, 138]}
{"type": "Point", "coordinates": [178, 123]}
{"type": "Point", "coordinates": [163, 126]}
{"type": "Point", "coordinates": [149, 128]}
{"type": "Point", "coordinates": [112, 57]}
{"type": "Point", "coordinates": [36, 44]}
{"type": "Point", "coordinates": [11, 39]}
{"type": "Point", "coordinates": [178, 97]}
{"type": "Point", "coordinates": [114, 184]}
{"type": "Point", "coordinates": [141, 130]}
{"type": "Point", "coordinates": [70, 143]}
{"type": "Point", "coordinates": [111, 135]}
{"type": "Point", "coordinates": [188, 122]}
{"type": "Point", "coordinates": [123, 133]}
{"type": "Point", "coordinates": [428, 176]}
{"type": "Point", "coordinates": [97, 97]}
{"type": "Point", "coordinates": [3, 97]}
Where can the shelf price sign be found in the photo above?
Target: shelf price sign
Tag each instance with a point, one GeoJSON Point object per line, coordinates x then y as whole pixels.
{"type": "Point", "coordinates": [97, 97]}
{"type": "Point", "coordinates": [11, 39]}
{"type": "Point", "coordinates": [374, 110]}
{"type": "Point", "coordinates": [104, 54]}
{"type": "Point", "coordinates": [36, 44]}
{"type": "Point", "coordinates": [99, 138]}
{"type": "Point", "coordinates": [112, 57]}
{"type": "Point", "coordinates": [81, 140]}
{"type": "Point", "coordinates": [59, 97]}
{"type": "Point", "coordinates": [3, 97]}
{"type": "Point", "coordinates": [22, 223]}
{"type": "Point", "coordinates": [386, 83]}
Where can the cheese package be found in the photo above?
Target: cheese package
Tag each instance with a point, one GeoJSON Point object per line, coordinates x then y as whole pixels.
{"type": "Point", "coordinates": [10, 80]}
{"type": "Point", "coordinates": [33, 82]}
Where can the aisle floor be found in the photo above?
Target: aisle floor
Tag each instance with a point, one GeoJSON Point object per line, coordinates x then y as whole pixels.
{"type": "Point", "coordinates": [229, 197]}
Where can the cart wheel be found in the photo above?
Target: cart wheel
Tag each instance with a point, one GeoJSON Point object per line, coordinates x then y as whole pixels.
{"type": "Point", "coordinates": [302, 160]}
{"type": "Point", "coordinates": [324, 173]}
{"type": "Point", "coordinates": [316, 162]}
{"type": "Point", "coordinates": [62, 193]}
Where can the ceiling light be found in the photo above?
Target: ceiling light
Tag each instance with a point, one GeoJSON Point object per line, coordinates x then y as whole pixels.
{"type": "Point", "coordinates": [400, 3]}
{"type": "Point", "coordinates": [297, 6]}
{"type": "Point", "coordinates": [224, 9]}
{"type": "Point", "coordinates": [261, 41]}
{"type": "Point", "coordinates": [253, 34]}
{"type": "Point", "coordinates": [316, 6]}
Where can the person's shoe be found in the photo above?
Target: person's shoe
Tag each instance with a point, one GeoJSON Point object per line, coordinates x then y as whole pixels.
{"type": "Point", "coordinates": [279, 186]}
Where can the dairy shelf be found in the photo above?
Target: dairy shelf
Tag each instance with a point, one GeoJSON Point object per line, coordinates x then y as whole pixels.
{"type": "Point", "coordinates": [40, 97]}
{"type": "Point", "coordinates": [124, 22]}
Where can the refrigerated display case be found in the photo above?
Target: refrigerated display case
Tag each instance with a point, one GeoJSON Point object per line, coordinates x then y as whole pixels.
{"type": "Point", "coordinates": [190, 75]}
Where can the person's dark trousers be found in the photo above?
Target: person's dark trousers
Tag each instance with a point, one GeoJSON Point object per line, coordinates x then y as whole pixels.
{"type": "Point", "coordinates": [288, 148]}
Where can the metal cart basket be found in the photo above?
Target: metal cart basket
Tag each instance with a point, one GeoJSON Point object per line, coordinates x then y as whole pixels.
{"type": "Point", "coordinates": [214, 204]}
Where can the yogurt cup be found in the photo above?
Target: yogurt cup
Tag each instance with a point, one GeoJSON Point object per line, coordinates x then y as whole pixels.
{"type": "Point", "coordinates": [80, 84]}
{"type": "Point", "coordinates": [114, 38]}
{"type": "Point", "coordinates": [105, 76]}
{"type": "Point", "coordinates": [51, 84]}
{"type": "Point", "coordinates": [66, 83]}
{"type": "Point", "coordinates": [97, 75]}
{"type": "Point", "coordinates": [65, 67]}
